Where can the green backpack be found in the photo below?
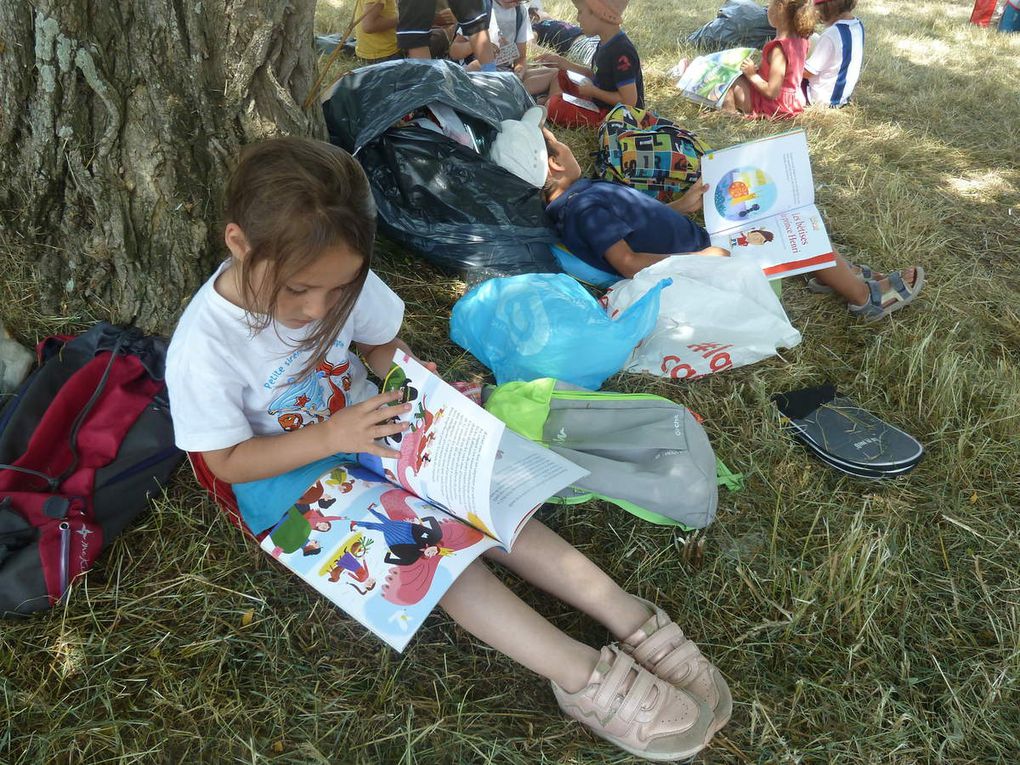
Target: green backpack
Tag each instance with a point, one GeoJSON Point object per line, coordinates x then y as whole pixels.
{"type": "Point", "coordinates": [645, 453]}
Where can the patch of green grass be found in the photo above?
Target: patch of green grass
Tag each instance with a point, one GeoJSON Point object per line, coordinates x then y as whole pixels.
{"type": "Point", "coordinates": [858, 623]}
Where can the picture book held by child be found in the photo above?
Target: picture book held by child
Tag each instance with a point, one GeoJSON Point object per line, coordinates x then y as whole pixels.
{"type": "Point", "coordinates": [706, 79]}
{"type": "Point", "coordinates": [581, 103]}
{"type": "Point", "coordinates": [384, 538]}
{"type": "Point", "coordinates": [760, 204]}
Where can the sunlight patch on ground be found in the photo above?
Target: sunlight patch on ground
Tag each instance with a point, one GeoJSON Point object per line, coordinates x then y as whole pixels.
{"type": "Point", "coordinates": [923, 50]}
{"type": "Point", "coordinates": [68, 658]}
{"type": "Point", "coordinates": [981, 184]}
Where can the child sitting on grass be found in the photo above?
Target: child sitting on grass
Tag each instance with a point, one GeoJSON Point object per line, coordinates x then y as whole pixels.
{"type": "Point", "coordinates": [377, 31]}
{"type": "Point", "coordinates": [511, 28]}
{"type": "Point", "coordinates": [298, 293]}
{"type": "Point", "coordinates": [619, 230]}
{"type": "Point", "coordinates": [834, 67]}
{"type": "Point", "coordinates": [774, 89]}
{"type": "Point", "coordinates": [615, 73]}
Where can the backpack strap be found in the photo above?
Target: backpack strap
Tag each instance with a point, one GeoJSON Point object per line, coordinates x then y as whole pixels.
{"type": "Point", "coordinates": [53, 482]}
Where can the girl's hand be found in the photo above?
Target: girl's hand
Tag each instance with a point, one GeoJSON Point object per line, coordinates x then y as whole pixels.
{"type": "Point", "coordinates": [357, 428]}
{"type": "Point", "coordinates": [586, 89]}
{"type": "Point", "coordinates": [748, 68]}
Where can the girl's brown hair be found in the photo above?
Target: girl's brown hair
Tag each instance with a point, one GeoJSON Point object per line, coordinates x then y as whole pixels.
{"type": "Point", "coordinates": [295, 198]}
{"type": "Point", "coordinates": [830, 10]}
{"type": "Point", "coordinates": [800, 16]}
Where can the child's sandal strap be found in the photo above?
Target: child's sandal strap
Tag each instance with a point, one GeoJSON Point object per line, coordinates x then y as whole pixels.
{"type": "Point", "coordinates": [872, 307]}
{"type": "Point", "coordinates": [897, 283]}
{"type": "Point", "coordinates": [874, 293]}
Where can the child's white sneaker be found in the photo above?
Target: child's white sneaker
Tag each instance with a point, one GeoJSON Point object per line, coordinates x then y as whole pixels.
{"type": "Point", "coordinates": [660, 646]}
{"type": "Point", "coordinates": [640, 713]}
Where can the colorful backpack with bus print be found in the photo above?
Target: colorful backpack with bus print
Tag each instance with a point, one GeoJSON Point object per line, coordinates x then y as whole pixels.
{"type": "Point", "coordinates": [640, 149]}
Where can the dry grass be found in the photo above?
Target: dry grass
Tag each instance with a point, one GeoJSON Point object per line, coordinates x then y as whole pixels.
{"type": "Point", "coordinates": [859, 623]}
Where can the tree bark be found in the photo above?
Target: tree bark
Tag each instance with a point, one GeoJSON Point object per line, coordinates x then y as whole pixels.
{"type": "Point", "coordinates": [117, 123]}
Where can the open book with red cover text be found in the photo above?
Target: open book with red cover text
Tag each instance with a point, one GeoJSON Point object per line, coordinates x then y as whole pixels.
{"type": "Point", "coordinates": [385, 538]}
{"type": "Point", "coordinates": [760, 203]}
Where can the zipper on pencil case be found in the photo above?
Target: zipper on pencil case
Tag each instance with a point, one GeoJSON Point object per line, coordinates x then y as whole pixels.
{"type": "Point", "coordinates": [65, 556]}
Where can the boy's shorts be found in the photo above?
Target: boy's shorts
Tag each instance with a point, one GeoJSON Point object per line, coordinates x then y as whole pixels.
{"type": "Point", "coordinates": [414, 20]}
{"type": "Point", "coordinates": [561, 112]}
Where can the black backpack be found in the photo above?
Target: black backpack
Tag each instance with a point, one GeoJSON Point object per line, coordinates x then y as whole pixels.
{"type": "Point", "coordinates": [83, 443]}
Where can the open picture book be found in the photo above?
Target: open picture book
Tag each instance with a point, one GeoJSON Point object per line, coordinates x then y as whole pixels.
{"type": "Point", "coordinates": [706, 79]}
{"type": "Point", "coordinates": [384, 538]}
{"type": "Point", "coordinates": [760, 203]}
{"type": "Point", "coordinates": [570, 98]}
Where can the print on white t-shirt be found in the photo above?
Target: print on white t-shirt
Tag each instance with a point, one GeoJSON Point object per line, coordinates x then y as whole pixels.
{"type": "Point", "coordinates": [227, 384]}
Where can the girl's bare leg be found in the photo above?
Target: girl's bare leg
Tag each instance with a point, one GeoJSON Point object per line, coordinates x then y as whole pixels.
{"type": "Point", "coordinates": [544, 558]}
{"type": "Point", "coordinates": [738, 97]}
{"type": "Point", "coordinates": [482, 604]}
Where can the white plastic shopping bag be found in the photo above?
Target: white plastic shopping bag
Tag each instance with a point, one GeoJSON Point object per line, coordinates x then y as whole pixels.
{"type": "Point", "coordinates": [718, 313]}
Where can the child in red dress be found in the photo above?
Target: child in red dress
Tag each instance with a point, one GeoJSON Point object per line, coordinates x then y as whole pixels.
{"type": "Point", "coordinates": [774, 89]}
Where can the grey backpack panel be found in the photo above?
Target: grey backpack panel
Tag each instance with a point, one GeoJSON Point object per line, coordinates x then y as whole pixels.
{"type": "Point", "coordinates": [650, 453]}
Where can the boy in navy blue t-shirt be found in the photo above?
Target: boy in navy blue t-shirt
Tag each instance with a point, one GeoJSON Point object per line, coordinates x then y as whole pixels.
{"type": "Point", "coordinates": [619, 230]}
{"type": "Point", "coordinates": [615, 228]}
{"type": "Point", "coordinates": [614, 77]}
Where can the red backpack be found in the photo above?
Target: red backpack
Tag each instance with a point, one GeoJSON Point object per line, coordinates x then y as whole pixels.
{"type": "Point", "coordinates": [83, 443]}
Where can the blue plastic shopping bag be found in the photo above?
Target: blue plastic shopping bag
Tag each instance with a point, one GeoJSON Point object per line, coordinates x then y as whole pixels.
{"type": "Point", "coordinates": [547, 325]}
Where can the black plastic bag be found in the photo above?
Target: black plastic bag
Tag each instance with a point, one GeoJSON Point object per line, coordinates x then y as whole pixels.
{"type": "Point", "coordinates": [739, 23]}
{"type": "Point", "coordinates": [439, 199]}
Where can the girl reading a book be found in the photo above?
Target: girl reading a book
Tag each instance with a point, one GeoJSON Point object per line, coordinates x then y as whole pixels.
{"type": "Point", "coordinates": [297, 291]}
{"type": "Point", "coordinates": [774, 88]}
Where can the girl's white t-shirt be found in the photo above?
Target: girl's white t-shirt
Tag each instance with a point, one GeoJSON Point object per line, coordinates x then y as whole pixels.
{"type": "Point", "coordinates": [227, 385]}
{"type": "Point", "coordinates": [836, 61]}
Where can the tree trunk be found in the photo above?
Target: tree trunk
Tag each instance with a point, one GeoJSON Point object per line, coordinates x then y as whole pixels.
{"type": "Point", "coordinates": [117, 122]}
